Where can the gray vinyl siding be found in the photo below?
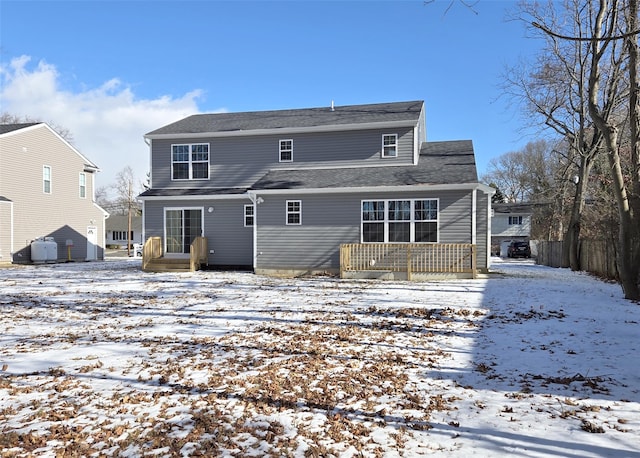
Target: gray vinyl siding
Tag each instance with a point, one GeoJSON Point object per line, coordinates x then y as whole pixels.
{"type": "Point", "coordinates": [327, 221]}
{"type": "Point", "coordinates": [239, 161]}
{"type": "Point", "coordinates": [331, 219]}
{"type": "Point", "coordinates": [224, 228]}
{"type": "Point", "coordinates": [62, 214]}
{"type": "Point", "coordinates": [482, 227]}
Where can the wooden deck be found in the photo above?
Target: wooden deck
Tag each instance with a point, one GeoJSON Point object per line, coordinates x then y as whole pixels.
{"type": "Point", "coordinates": [410, 261]}
{"type": "Point", "coordinates": [153, 259]}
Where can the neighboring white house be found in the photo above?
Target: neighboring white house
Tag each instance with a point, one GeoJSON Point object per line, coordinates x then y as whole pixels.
{"type": "Point", "coordinates": [509, 222]}
{"type": "Point", "coordinates": [117, 226]}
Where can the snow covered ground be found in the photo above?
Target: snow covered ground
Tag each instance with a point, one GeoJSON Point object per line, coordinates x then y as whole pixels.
{"type": "Point", "coordinates": [101, 359]}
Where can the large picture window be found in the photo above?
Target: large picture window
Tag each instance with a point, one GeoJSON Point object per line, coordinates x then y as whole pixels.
{"type": "Point", "coordinates": [190, 162]}
{"type": "Point", "coordinates": [396, 221]}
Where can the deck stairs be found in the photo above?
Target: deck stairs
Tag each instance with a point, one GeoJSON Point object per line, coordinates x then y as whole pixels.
{"type": "Point", "coordinates": [168, 265]}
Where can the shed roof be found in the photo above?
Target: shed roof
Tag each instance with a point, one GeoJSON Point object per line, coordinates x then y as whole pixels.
{"type": "Point", "coordinates": [447, 162]}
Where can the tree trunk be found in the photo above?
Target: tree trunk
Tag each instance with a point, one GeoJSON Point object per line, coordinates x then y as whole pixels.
{"type": "Point", "coordinates": [627, 249]}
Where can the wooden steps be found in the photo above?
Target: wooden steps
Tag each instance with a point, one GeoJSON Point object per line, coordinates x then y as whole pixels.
{"type": "Point", "coordinates": [168, 265]}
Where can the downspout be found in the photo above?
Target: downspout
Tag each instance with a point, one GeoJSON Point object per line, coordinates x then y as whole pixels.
{"type": "Point", "coordinates": [11, 247]}
{"type": "Point", "coordinates": [489, 219]}
{"type": "Point", "coordinates": [254, 200]}
{"type": "Point", "coordinates": [474, 223]}
{"type": "Point", "coordinates": [144, 202]}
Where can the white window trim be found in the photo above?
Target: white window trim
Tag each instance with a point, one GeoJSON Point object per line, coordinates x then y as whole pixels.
{"type": "Point", "coordinates": [253, 215]}
{"type": "Point", "coordinates": [191, 162]}
{"type": "Point", "coordinates": [520, 220]}
{"type": "Point", "coordinates": [288, 212]}
{"type": "Point", "coordinates": [412, 219]}
{"type": "Point", "coordinates": [82, 185]}
{"type": "Point", "coordinates": [45, 167]}
{"type": "Point", "coordinates": [382, 153]}
{"type": "Point", "coordinates": [281, 150]}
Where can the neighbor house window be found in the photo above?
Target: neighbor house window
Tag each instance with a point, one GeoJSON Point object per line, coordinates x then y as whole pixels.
{"type": "Point", "coordinates": [83, 185]}
{"type": "Point", "coordinates": [390, 145]}
{"type": "Point", "coordinates": [121, 235]}
{"type": "Point", "coordinates": [286, 150]}
{"type": "Point", "coordinates": [190, 162]}
{"type": "Point", "coordinates": [515, 220]}
{"type": "Point", "coordinates": [46, 179]}
{"type": "Point", "coordinates": [395, 221]}
{"type": "Point", "coordinates": [294, 212]}
{"type": "Point", "coordinates": [248, 215]}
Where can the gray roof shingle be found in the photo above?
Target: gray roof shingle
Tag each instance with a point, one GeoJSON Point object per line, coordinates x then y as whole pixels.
{"type": "Point", "coordinates": [446, 162]}
{"type": "Point", "coordinates": [6, 128]}
{"type": "Point", "coordinates": [296, 118]}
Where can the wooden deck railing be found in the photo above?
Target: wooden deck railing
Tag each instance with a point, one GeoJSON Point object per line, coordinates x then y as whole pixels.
{"type": "Point", "coordinates": [198, 253]}
{"type": "Point", "coordinates": [151, 250]}
{"type": "Point", "coordinates": [411, 258]}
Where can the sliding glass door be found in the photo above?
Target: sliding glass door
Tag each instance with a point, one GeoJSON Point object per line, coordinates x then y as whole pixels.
{"type": "Point", "coordinates": [182, 225]}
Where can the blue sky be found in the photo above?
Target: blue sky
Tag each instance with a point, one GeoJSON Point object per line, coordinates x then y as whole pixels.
{"type": "Point", "coordinates": [111, 71]}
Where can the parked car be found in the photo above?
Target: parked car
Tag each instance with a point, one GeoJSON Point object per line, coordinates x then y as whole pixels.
{"type": "Point", "coordinates": [519, 250]}
{"type": "Point", "coordinates": [137, 250]}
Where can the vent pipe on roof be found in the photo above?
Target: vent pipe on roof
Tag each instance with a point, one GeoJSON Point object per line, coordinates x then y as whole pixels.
{"type": "Point", "coordinates": [332, 108]}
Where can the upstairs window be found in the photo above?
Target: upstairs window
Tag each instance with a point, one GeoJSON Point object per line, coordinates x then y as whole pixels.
{"type": "Point", "coordinates": [390, 145]}
{"type": "Point", "coordinates": [83, 185]}
{"type": "Point", "coordinates": [515, 220]}
{"type": "Point", "coordinates": [294, 212]}
{"type": "Point", "coordinates": [190, 162]}
{"type": "Point", "coordinates": [248, 215]}
{"type": "Point", "coordinates": [286, 150]}
{"type": "Point", "coordinates": [46, 179]}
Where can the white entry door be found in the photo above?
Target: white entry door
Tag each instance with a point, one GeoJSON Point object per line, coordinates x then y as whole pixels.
{"type": "Point", "coordinates": [92, 243]}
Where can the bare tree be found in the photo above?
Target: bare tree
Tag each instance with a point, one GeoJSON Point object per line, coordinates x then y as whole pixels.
{"type": "Point", "coordinates": [611, 34]}
{"type": "Point", "coordinates": [553, 93]}
{"type": "Point", "coordinates": [126, 193]}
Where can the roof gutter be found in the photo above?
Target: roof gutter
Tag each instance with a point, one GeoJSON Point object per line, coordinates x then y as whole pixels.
{"type": "Point", "coordinates": [253, 194]}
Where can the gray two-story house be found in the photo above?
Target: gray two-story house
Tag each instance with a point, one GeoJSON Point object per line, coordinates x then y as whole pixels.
{"type": "Point", "coordinates": [282, 191]}
{"type": "Point", "coordinates": [47, 191]}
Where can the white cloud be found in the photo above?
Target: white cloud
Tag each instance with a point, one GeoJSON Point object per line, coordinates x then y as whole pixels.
{"type": "Point", "coordinates": [107, 123]}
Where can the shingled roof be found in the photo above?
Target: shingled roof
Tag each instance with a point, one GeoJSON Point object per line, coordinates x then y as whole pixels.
{"type": "Point", "coordinates": [6, 128]}
{"type": "Point", "coordinates": [444, 162]}
{"type": "Point", "coordinates": [400, 112]}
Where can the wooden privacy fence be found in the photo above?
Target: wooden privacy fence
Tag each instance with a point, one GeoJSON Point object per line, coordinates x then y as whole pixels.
{"type": "Point", "coordinates": [596, 256]}
{"type": "Point", "coordinates": [409, 258]}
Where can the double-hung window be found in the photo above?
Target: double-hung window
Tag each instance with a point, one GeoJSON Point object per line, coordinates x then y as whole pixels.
{"type": "Point", "coordinates": [286, 150]}
{"type": "Point", "coordinates": [294, 212]}
{"type": "Point", "coordinates": [83, 185]}
{"type": "Point", "coordinates": [515, 220]}
{"type": "Point", "coordinates": [397, 221]}
{"type": "Point", "coordinates": [248, 215]}
{"type": "Point", "coordinates": [390, 145]}
{"type": "Point", "coordinates": [46, 179]}
{"type": "Point", "coordinates": [190, 162]}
